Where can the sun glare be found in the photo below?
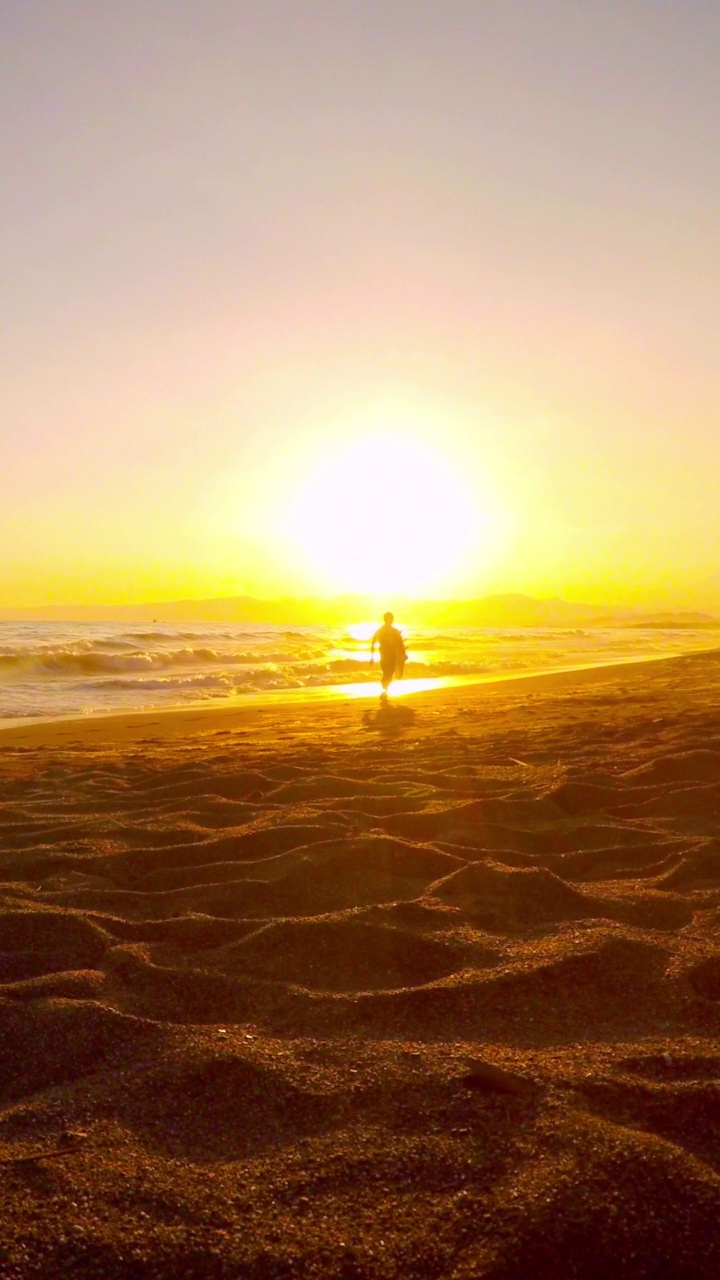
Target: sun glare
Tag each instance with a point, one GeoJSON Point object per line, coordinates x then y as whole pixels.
{"type": "Point", "coordinates": [362, 630]}
{"type": "Point", "coordinates": [385, 514]}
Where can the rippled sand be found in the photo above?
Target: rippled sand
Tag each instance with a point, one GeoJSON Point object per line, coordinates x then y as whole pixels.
{"type": "Point", "coordinates": [255, 966]}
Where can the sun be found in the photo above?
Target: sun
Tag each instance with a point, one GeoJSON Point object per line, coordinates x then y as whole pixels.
{"type": "Point", "coordinates": [384, 514]}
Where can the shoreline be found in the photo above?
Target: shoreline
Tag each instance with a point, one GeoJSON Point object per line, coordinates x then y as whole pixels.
{"type": "Point", "coordinates": [310, 701]}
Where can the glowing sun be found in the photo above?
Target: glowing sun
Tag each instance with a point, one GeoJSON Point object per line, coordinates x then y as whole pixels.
{"type": "Point", "coordinates": [384, 514]}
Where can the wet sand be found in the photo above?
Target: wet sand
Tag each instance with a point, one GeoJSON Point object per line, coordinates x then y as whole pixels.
{"type": "Point", "coordinates": [336, 990]}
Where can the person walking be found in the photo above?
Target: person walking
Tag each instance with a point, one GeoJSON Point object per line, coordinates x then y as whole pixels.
{"type": "Point", "coordinates": [392, 651]}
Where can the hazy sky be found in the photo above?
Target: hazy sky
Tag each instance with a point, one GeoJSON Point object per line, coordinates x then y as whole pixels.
{"type": "Point", "coordinates": [239, 237]}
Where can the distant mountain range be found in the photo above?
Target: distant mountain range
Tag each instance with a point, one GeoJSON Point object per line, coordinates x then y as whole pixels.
{"type": "Point", "coordinates": [490, 611]}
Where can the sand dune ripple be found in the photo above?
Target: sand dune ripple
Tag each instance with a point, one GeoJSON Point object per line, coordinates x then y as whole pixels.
{"type": "Point", "coordinates": [247, 963]}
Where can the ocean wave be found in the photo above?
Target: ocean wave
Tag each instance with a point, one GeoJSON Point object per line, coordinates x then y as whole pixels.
{"type": "Point", "coordinates": [297, 676]}
{"type": "Point", "coordinates": [183, 667]}
{"type": "Point", "coordinates": [81, 660]}
{"type": "Point", "coordinates": [172, 636]}
{"type": "Point", "coordinates": [420, 640]}
{"type": "Point", "coordinates": [169, 684]}
{"type": "Point", "coordinates": [52, 669]}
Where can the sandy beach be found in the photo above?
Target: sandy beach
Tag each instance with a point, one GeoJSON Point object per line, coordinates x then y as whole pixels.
{"type": "Point", "coordinates": [337, 990]}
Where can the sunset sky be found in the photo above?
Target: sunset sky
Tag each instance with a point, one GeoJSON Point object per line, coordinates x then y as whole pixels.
{"type": "Point", "coordinates": [307, 297]}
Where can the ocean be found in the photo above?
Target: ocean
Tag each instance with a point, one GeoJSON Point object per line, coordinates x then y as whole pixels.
{"type": "Point", "coordinates": [54, 669]}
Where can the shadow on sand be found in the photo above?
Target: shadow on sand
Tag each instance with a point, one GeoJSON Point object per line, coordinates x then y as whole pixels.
{"type": "Point", "coordinates": [389, 719]}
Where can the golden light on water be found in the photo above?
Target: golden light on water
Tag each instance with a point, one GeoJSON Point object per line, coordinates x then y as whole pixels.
{"type": "Point", "coordinates": [362, 631]}
{"type": "Point", "coordinates": [398, 689]}
{"type": "Point", "coordinates": [385, 514]}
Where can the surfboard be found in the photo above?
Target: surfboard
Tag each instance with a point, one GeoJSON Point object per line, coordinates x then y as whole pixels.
{"type": "Point", "coordinates": [400, 660]}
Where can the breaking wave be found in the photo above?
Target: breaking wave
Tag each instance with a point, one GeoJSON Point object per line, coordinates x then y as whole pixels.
{"type": "Point", "coordinates": [74, 662]}
{"type": "Point", "coordinates": [53, 669]}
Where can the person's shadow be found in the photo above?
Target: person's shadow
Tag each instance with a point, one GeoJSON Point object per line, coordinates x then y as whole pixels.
{"type": "Point", "coordinates": [388, 719]}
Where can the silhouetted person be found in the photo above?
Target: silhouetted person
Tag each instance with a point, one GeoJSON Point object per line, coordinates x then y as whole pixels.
{"type": "Point", "coordinates": [392, 651]}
